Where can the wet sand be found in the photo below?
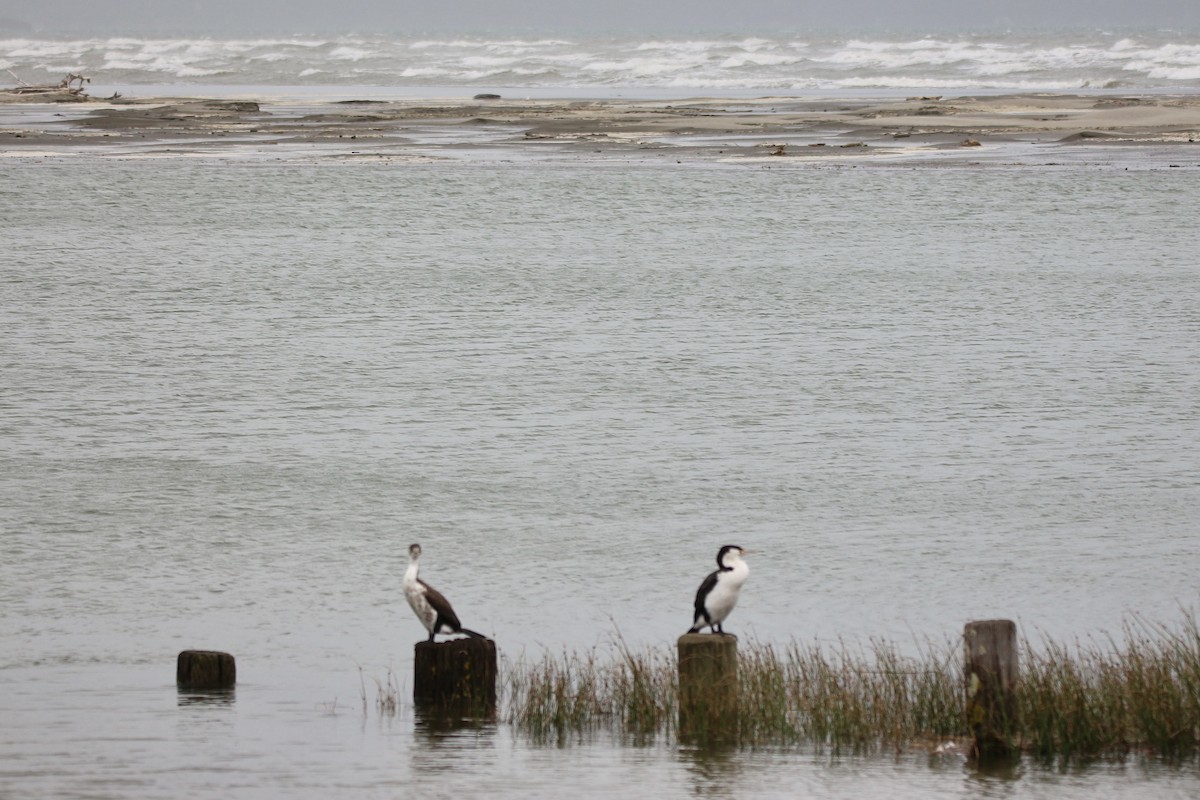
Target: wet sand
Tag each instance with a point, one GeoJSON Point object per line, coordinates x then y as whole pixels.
{"type": "Point", "coordinates": [775, 131]}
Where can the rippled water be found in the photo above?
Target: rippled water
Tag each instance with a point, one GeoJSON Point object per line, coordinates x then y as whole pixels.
{"type": "Point", "coordinates": [234, 393]}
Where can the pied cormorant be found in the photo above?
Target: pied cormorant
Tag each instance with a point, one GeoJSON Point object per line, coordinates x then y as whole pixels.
{"type": "Point", "coordinates": [719, 592]}
{"type": "Point", "coordinates": [428, 604]}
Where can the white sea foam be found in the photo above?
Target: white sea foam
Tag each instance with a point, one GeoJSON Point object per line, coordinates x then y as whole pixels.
{"type": "Point", "coordinates": [348, 54]}
{"type": "Point", "coordinates": [1148, 60]}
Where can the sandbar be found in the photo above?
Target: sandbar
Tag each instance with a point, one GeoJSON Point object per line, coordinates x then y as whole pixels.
{"type": "Point", "coordinates": [1155, 130]}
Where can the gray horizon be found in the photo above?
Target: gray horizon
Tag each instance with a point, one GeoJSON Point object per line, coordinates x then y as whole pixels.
{"type": "Point", "coordinates": [477, 16]}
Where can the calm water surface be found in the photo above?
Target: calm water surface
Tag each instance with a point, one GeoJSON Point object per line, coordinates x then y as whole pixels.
{"type": "Point", "coordinates": [234, 393]}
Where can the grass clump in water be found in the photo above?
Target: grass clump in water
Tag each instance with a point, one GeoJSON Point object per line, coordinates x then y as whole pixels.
{"type": "Point", "coordinates": [845, 698]}
{"type": "Point", "coordinates": [574, 693]}
{"type": "Point", "coordinates": [1079, 701]}
{"type": "Point", "coordinates": [790, 695]}
{"type": "Point", "coordinates": [1096, 699]}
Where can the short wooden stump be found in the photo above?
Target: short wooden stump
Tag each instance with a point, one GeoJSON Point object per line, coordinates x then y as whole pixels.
{"type": "Point", "coordinates": [457, 676]}
{"type": "Point", "coordinates": [205, 670]}
{"type": "Point", "coordinates": [991, 671]}
{"type": "Point", "coordinates": [708, 686]}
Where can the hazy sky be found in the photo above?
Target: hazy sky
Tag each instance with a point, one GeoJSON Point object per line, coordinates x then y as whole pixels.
{"type": "Point", "coordinates": [286, 16]}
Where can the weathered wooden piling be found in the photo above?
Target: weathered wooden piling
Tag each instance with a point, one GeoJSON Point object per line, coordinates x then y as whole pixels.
{"type": "Point", "coordinates": [205, 670]}
{"type": "Point", "coordinates": [708, 686]}
{"type": "Point", "coordinates": [458, 676]}
{"type": "Point", "coordinates": [991, 672]}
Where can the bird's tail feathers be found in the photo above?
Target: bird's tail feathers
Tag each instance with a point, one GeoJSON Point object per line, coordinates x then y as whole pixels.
{"type": "Point", "coordinates": [472, 633]}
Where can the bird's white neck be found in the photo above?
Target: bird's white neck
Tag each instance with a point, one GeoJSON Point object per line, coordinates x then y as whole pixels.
{"type": "Point", "coordinates": [737, 572]}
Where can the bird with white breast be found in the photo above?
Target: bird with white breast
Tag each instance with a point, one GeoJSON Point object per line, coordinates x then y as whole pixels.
{"type": "Point", "coordinates": [430, 606]}
{"type": "Point", "coordinates": [719, 592]}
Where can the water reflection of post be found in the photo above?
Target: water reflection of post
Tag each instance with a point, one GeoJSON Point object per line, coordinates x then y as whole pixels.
{"type": "Point", "coordinates": [217, 697]}
{"type": "Point", "coordinates": [435, 726]}
{"type": "Point", "coordinates": [444, 743]}
{"type": "Point", "coordinates": [714, 769]}
{"type": "Point", "coordinates": [992, 777]}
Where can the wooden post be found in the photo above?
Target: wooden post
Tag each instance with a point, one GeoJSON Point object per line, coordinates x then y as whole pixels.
{"type": "Point", "coordinates": [205, 670]}
{"type": "Point", "coordinates": [708, 686]}
{"type": "Point", "coordinates": [458, 676]}
{"type": "Point", "coordinates": [991, 672]}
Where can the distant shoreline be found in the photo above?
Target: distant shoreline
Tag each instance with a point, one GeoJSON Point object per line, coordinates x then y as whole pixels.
{"type": "Point", "coordinates": [100, 91]}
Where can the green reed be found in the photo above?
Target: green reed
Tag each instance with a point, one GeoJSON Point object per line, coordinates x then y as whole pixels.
{"type": "Point", "coordinates": [846, 697]}
{"type": "Point", "coordinates": [790, 695]}
{"type": "Point", "coordinates": [1107, 698]}
{"type": "Point", "coordinates": [1085, 700]}
{"type": "Point", "coordinates": [575, 693]}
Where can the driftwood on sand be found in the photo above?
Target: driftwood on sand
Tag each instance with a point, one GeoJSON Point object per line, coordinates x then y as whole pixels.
{"type": "Point", "coordinates": [70, 88]}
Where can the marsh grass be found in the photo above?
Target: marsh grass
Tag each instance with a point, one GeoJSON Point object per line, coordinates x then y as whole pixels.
{"type": "Point", "coordinates": [577, 693]}
{"type": "Point", "coordinates": [1086, 700]}
{"type": "Point", "coordinates": [796, 694]}
{"type": "Point", "coordinates": [1104, 697]}
{"type": "Point", "coordinates": [387, 693]}
{"type": "Point", "coordinates": [846, 697]}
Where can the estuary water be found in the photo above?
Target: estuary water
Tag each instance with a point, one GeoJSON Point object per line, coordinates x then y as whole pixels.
{"type": "Point", "coordinates": [234, 393]}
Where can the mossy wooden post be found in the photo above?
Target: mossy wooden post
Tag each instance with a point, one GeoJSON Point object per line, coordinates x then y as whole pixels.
{"type": "Point", "coordinates": [708, 686]}
{"type": "Point", "coordinates": [991, 672]}
{"type": "Point", "coordinates": [458, 676]}
{"type": "Point", "coordinates": [205, 670]}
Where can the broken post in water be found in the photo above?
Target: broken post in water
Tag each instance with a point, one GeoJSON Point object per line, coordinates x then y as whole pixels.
{"type": "Point", "coordinates": [708, 686]}
{"type": "Point", "coordinates": [458, 676]}
{"type": "Point", "coordinates": [990, 670]}
{"type": "Point", "coordinates": [205, 670]}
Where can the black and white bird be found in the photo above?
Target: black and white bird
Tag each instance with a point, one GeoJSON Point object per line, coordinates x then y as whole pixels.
{"type": "Point", "coordinates": [428, 604]}
{"type": "Point", "coordinates": [719, 592]}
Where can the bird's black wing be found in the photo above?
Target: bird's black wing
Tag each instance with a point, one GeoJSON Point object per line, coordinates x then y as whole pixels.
{"type": "Point", "coordinates": [709, 583]}
{"type": "Point", "coordinates": [445, 614]}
